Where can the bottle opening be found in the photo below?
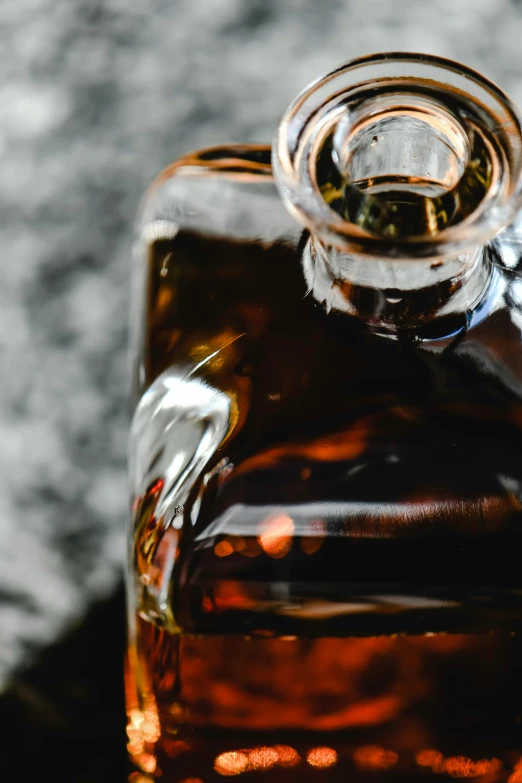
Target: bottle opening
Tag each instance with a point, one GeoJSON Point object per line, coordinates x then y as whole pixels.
{"type": "Point", "coordinates": [397, 142]}
{"type": "Point", "coordinates": [404, 166]}
{"type": "Point", "coordinates": [401, 155]}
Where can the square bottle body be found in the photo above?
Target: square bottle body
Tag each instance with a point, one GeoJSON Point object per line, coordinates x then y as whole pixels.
{"type": "Point", "coordinates": [326, 529]}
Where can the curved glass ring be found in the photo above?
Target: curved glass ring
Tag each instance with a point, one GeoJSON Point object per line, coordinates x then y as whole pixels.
{"type": "Point", "coordinates": [318, 110]}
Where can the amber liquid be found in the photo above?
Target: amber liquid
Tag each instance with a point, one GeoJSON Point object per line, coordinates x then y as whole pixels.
{"type": "Point", "coordinates": [408, 707]}
{"type": "Point", "coordinates": [345, 600]}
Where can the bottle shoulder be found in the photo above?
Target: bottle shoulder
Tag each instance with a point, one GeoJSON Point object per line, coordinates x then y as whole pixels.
{"type": "Point", "coordinates": [227, 302]}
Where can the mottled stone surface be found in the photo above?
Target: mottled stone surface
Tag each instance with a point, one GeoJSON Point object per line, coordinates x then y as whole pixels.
{"type": "Point", "coordinates": [96, 97]}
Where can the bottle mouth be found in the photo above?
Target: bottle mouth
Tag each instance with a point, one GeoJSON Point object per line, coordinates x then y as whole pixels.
{"type": "Point", "coordinates": [401, 155]}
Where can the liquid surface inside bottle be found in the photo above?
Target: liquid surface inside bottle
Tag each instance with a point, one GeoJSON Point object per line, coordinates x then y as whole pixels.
{"type": "Point", "coordinates": [326, 532]}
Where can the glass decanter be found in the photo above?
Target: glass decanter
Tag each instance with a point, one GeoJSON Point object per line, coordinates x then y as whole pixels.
{"type": "Point", "coordinates": [326, 449]}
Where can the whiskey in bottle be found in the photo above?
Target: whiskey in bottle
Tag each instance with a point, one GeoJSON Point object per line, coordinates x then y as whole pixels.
{"type": "Point", "coordinates": [325, 577]}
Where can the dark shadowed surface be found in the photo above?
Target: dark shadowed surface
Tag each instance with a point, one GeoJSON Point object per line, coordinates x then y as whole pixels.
{"type": "Point", "coordinates": [96, 97]}
{"type": "Point", "coordinates": [64, 718]}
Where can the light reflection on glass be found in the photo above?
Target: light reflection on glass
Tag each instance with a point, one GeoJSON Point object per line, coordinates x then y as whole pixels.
{"type": "Point", "coordinates": [516, 775]}
{"type": "Point", "coordinates": [372, 757]}
{"type": "Point", "coordinates": [150, 729]}
{"type": "Point", "coordinates": [265, 757]}
{"type": "Point", "coordinates": [459, 766]}
{"type": "Point", "coordinates": [223, 549]}
{"type": "Point", "coordinates": [143, 726]}
{"type": "Point", "coordinates": [463, 767]}
{"type": "Point", "coordinates": [239, 544]}
{"type": "Point", "coordinates": [276, 535]}
{"type": "Point", "coordinates": [135, 744]}
{"type": "Point", "coordinates": [262, 758]}
{"type": "Point", "coordinates": [233, 762]}
{"type": "Point", "coordinates": [137, 777]}
{"type": "Point", "coordinates": [322, 757]}
{"type": "Point", "coordinates": [429, 758]}
{"type": "Point", "coordinates": [313, 536]}
{"type": "Point", "coordinates": [146, 761]}
{"type": "Point", "coordinates": [164, 300]}
{"type": "Point", "coordinates": [287, 756]}
{"type": "Point", "coordinates": [135, 748]}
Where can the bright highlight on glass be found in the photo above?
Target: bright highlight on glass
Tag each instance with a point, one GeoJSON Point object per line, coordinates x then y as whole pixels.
{"type": "Point", "coordinates": [259, 759]}
{"type": "Point", "coordinates": [262, 758]}
{"type": "Point", "coordinates": [516, 775]}
{"type": "Point", "coordinates": [275, 535]}
{"type": "Point", "coordinates": [287, 756]}
{"type": "Point", "coordinates": [459, 766]}
{"type": "Point", "coordinates": [322, 757]}
{"type": "Point", "coordinates": [232, 763]}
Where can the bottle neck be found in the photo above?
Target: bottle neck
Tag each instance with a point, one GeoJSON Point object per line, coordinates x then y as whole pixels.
{"type": "Point", "coordinates": [394, 296]}
{"type": "Point", "coordinates": [402, 167]}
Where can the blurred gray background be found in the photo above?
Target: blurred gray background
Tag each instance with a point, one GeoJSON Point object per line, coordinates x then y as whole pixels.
{"type": "Point", "coordinates": [95, 98]}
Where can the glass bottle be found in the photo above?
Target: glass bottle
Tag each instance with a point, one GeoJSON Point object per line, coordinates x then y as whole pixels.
{"type": "Point", "coordinates": [326, 448]}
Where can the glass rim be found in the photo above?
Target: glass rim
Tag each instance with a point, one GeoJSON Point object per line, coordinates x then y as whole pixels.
{"type": "Point", "coordinates": [307, 113]}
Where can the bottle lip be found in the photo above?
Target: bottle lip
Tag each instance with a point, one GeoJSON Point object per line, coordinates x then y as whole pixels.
{"type": "Point", "coordinates": [320, 106]}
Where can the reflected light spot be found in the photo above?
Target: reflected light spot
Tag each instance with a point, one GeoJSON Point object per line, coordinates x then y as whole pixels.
{"type": "Point", "coordinates": [135, 744]}
{"type": "Point", "coordinates": [262, 758]}
{"type": "Point", "coordinates": [287, 756]}
{"type": "Point", "coordinates": [231, 763]}
{"type": "Point", "coordinates": [223, 549]}
{"type": "Point", "coordinates": [429, 758]}
{"type": "Point", "coordinates": [135, 719]}
{"type": "Point", "coordinates": [155, 488]}
{"type": "Point", "coordinates": [191, 780]}
{"type": "Point", "coordinates": [137, 777]}
{"type": "Point", "coordinates": [374, 757]}
{"type": "Point", "coordinates": [159, 229]}
{"type": "Point", "coordinates": [321, 757]}
{"type": "Point", "coordinates": [146, 761]}
{"type": "Point", "coordinates": [143, 726]}
{"type": "Point", "coordinates": [275, 535]}
{"type": "Point", "coordinates": [239, 544]}
{"type": "Point", "coordinates": [135, 747]}
{"type": "Point", "coordinates": [164, 299]}
{"type": "Point", "coordinates": [150, 729]}
{"type": "Point", "coordinates": [516, 775]}
{"type": "Point", "coordinates": [463, 767]}
{"type": "Point", "coordinates": [314, 536]}
{"type": "Point", "coordinates": [200, 351]}
{"type": "Point", "coordinates": [177, 711]}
